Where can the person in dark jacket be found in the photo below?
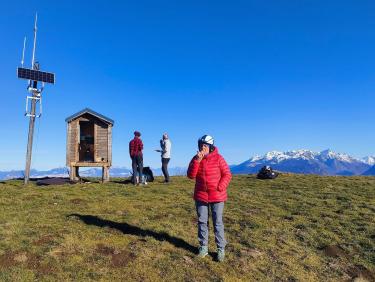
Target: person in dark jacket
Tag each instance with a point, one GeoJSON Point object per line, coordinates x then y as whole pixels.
{"type": "Point", "coordinates": [136, 155]}
{"type": "Point", "coordinates": [212, 177]}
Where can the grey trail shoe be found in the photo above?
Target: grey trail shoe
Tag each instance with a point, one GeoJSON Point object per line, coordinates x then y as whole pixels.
{"type": "Point", "coordinates": [220, 255]}
{"type": "Point", "coordinates": [203, 251]}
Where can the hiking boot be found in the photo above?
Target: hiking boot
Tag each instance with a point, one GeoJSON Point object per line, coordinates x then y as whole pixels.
{"type": "Point", "coordinates": [220, 255]}
{"type": "Point", "coordinates": [203, 251]}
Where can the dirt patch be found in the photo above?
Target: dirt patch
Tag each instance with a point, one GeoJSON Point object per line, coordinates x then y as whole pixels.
{"type": "Point", "coordinates": [30, 260]}
{"type": "Point", "coordinates": [359, 271]}
{"type": "Point", "coordinates": [34, 262]}
{"type": "Point", "coordinates": [44, 240]}
{"type": "Point", "coordinates": [104, 250]}
{"type": "Point", "coordinates": [119, 212]}
{"type": "Point", "coordinates": [45, 269]}
{"type": "Point", "coordinates": [122, 258]}
{"type": "Point", "coordinates": [118, 258]}
{"type": "Point", "coordinates": [159, 216]}
{"type": "Point", "coordinates": [77, 201]}
{"type": "Point", "coordinates": [7, 259]}
{"type": "Point", "coordinates": [30, 197]}
{"type": "Point", "coordinates": [254, 253]}
{"type": "Point", "coordinates": [21, 257]}
{"type": "Point", "coordinates": [188, 260]}
{"type": "Point", "coordinates": [334, 251]}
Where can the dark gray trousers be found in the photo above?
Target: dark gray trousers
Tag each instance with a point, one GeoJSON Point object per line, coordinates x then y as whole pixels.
{"type": "Point", "coordinates": [217, 218]}
{"type": "Point", "coordinates": [137, 166]}
{"type": "Point", "coordinates": [164, 168]}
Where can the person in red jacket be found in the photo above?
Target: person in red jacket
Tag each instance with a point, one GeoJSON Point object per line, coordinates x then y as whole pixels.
{"type": "Point", "coordinates": [212, 177]}
{"type": "Point", "coordinates": [135, 152]}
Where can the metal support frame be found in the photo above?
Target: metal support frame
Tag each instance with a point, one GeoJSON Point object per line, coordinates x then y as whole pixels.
{"type": "Point", "coordinates": [36, 99]}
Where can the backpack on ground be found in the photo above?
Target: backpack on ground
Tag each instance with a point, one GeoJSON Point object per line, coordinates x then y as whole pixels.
{"type": "Point", "coordinates": [147, 174]}
{"type": "Point", "coordinates": [267, 172]}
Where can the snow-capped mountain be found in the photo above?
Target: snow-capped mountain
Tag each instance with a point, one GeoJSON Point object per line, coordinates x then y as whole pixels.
{"type": "Point", "coordinates": [369, 160]}
{"type": "Point", "coordinates": [326, 162]}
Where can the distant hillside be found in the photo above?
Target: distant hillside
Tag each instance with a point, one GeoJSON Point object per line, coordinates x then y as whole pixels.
{"type": "Point", "coordinates": [92, 172]}
{"type": "Point", "coordinates": [56, 172]}
{"type": "Point", "coordinates": [370, 171]}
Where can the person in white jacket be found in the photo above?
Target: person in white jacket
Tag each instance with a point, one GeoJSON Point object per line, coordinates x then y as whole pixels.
{"type": "Point", "coordinates": [165, 145]}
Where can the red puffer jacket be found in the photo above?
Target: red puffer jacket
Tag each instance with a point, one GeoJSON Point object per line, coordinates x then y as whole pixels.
{"type": "Point", "coordinates": [212, 177]}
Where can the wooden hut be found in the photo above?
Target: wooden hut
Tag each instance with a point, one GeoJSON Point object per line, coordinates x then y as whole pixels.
{"type": "Point", "coordinates": [89, 142]}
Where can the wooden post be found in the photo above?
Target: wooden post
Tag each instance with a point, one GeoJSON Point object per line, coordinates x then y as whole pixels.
{"type": "Point", "coordinates": [105, 174]}
{"type": "Point", "coordinates": [77, 177]}
{"type": "Point", "coordinates": [72, 173]}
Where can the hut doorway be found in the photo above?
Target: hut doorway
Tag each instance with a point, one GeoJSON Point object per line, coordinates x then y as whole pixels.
{"type": "Point", "coordinates": [86, 142]}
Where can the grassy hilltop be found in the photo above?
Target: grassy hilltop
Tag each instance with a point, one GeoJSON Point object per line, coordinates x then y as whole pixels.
{"type": "Point", "coordinates": [293, 228]}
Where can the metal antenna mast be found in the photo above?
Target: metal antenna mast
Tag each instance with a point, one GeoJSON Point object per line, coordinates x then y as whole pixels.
{"type": "Point", "coordinates": [33, 75]}
{"type": "Point", "coordinates": [32, 116]}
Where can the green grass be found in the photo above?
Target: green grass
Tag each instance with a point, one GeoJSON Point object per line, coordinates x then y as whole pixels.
{"type": "Point", "coordinates": [293, 228]}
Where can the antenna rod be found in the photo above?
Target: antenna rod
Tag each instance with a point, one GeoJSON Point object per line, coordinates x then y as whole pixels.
{"type": "Point", "coordinates": [35, 30]}
{"type": "Point", "coordinates": [23, 51]}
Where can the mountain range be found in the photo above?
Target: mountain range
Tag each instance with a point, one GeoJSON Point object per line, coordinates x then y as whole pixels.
{"type": "Point", "coordinates": [92, 172]}
{"type": "Point", "coordinates": [325, 162]}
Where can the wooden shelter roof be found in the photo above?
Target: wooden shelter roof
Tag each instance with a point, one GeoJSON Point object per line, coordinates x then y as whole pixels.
{"type": "Point", "coordinates": [91, 112]}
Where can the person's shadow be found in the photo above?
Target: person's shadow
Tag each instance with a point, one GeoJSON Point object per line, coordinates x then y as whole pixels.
{"type": "Point", "coordinates": [135, 230]}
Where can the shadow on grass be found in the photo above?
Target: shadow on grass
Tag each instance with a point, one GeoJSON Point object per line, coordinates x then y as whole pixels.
{"type": "Point", "coordinates": [126, 228]}
{"type": "Point", "coordinates": [125, 181]}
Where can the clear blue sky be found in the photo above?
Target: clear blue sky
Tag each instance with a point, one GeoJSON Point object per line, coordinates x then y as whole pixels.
{"type": "Point", "coordinates": [257, 75]}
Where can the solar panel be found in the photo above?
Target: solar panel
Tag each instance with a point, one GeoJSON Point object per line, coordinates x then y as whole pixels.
{"type": "Point", "coordinates": [36, 75]}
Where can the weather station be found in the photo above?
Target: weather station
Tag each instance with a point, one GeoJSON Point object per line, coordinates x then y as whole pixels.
{"type": "Point", "coordinates": [33, 108]}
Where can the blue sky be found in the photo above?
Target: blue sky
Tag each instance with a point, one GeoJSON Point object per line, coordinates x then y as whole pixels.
{"type": "Point", "coordinates": [257, 75]}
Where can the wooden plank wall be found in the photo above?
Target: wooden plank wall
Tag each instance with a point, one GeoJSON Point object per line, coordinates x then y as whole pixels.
{"type": "Point", "coordinates": [101, 141]}
{"type": "Point", "coordinates": [72, 140]}
{"type": "Point", "coordinates": [67, 144]}
{"type": "Point", "coordinates": [110, 144]}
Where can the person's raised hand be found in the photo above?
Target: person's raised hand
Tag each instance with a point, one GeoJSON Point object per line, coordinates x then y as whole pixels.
{"type": "Point", "coordinates": [199, 155]}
